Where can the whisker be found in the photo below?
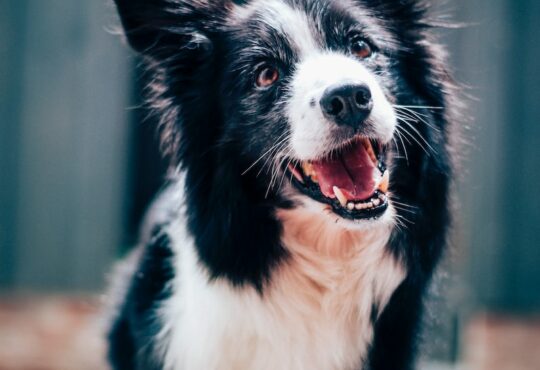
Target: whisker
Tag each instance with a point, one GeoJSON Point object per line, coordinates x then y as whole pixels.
{"type": "Point", "coordinates": [404, 209]}
{"type": "Point", "coordinates": [400, 137]}
{"type": "Point", "coordinates": [397, 147]}
{"type": "Point", "coordinates": [417, 117]}
{"type": "Point", "coordinates": [412, 137]}
{"type": "Point", "coordinates": [276, 172]}
{"type": "Point", "coordinates": [417, 106]}
{"type": "Point", "coordinates": [413, 113]}
{"type": "Point", "coordinates": [285, 172]}
{"type": "Point", "coordinates": [400, 225]}
{"type": "Point", "coordinates": [420, 136]}
{"type": "Point", "coordinates": [407, 133]}
{"type": "Point", "coordinates": [272, 155]}
{"type": "Point", "coordinates": [280, 139]}
{"type": "Point", "coordinates": [403, 204]}
{"type": "Point", "coordinates": [407, 116]}
{"type": "Point", "coordinates": [402, 220]}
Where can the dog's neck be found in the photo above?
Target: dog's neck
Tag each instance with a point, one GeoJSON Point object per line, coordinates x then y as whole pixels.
{"type": "Point", "coordinates": [327, 236]}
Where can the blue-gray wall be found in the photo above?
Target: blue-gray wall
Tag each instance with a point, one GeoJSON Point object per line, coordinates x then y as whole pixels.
{"type": "Point", "coordinates": [64, 87]}
{"type": "Point", "coordinates": [497, 56]}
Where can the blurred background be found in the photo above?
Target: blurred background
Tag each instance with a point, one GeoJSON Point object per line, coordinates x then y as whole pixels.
{"type": "Point", "coordinates": [78, 165]}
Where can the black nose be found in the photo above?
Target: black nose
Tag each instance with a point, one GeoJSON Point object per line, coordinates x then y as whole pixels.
{"type": "Point", "coordinates": [347, 105]}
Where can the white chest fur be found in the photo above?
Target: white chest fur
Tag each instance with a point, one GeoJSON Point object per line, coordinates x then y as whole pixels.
{"type": "Point", "coordinates": [314, 315]}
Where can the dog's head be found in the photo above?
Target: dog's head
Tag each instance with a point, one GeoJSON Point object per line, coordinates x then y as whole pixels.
{"type": "Point", "coordinates": [333, 106]}
{"type": "Point", "coordinates": [312, 86]}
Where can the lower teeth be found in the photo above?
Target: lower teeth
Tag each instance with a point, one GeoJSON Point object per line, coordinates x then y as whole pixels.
{"type": "Point", "coordinates": [376, 201]}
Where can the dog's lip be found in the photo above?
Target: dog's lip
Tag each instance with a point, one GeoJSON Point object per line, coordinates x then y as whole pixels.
{"type": "Point", "coordinates": [346, 202]}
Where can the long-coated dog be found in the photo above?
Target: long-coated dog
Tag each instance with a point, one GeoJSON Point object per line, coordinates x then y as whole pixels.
{"type": "Point", "coordinates": [311, 146]}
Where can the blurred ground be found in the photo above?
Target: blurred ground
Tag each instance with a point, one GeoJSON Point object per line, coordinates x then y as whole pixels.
{"type": "Point", "coordinates": [50, 334]}
{"type": "Point", "coordinates": [502, 342]}
{"type": "Point", "coordinates": [59, 333]}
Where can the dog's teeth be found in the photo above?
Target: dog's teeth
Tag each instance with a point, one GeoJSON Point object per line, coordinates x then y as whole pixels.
{"type": "Point", "coordinates": [295, 173]}
{"type": "Point", "coordinates": [369, 205]}
{"type": "Point", "coordinates": [376, 202]}
{"type": "Point", "coordinates": [309, 171]}
{"type": "Point", "coordinates": [340, 196]}
{"type": "Point", "coordinates": [359, 206]}
{"type": "Point", "coordinates": [308, 168]}
{"type": "Point", "coordinates": [350, 206]}
{"type": "Point", "coordinates": [383, 186]}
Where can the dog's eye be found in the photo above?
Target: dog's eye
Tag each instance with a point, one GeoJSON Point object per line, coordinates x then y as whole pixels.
{"type": "Point", "coordinates": [361, 48]}
{"type": "Point", "coordinates": [267, 76]}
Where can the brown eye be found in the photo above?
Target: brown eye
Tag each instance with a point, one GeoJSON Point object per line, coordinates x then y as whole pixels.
{"type": "Point", "coordinates": [361, 48]}
{"type": "Point", "coordinates": [267, 76]}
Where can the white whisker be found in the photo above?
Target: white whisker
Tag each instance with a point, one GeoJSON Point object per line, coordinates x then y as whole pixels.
{"type": "Point", "coordinates": [280, 139]}
{"type": "Point", "coordinates": [417, 117]}
{"type": "Point", "coordinates": [413, 137]}
{"type": "Point", "coordinates": [417, 106]}
{"type": "Point", "coordinates": [400, 137]}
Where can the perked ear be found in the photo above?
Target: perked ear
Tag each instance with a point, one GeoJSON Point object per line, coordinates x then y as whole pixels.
{"type": "Point", "coordinates": [162, 26]}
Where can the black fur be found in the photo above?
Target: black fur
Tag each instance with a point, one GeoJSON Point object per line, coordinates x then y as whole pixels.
{"type": "Point", "coordinates": [209, 128]}
{"type": "Point", "coordinates": [135, 329]}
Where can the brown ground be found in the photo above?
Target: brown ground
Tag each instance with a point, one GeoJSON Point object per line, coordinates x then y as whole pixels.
{"type": "Point", "coordinates": [65, 334]}
{"type": "Point", "coordinates": [498, 342]}
{"type": "Point", "coordinates": [50, 334]}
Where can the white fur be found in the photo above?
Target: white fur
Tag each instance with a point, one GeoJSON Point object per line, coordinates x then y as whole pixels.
{"type": "Point", "coordinates": [315, 314]}
{"type": "Point", "coordinates": [283, 18]}
{"type": "Point", "coordinates": [311, 132]}
{"type": "Point", "coordinates": [118, 287]}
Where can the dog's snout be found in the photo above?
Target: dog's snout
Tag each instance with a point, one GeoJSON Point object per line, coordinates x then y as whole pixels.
{"type": "Point", "coordinates": [347, 105]}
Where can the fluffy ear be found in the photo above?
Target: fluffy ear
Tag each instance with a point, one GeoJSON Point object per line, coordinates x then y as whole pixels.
{"type": "Point", "coordinates": [398, 4]}
{"type": "Point", "coordinates": [162, 26]}
{"type": "Point", "coordinates": [406, 11]}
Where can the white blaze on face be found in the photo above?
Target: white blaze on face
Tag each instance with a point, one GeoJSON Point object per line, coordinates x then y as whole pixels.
{"type": "Point", "coordinates": [311, 131]}
{"type": "Point", "coordinates": [292, 23]}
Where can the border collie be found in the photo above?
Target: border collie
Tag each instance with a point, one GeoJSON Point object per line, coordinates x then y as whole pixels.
{"type": "Point", "coordinates": [310, 142]}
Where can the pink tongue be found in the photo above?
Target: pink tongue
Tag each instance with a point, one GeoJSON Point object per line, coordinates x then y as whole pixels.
{"type": "Point", "coordinates": [352, 171]}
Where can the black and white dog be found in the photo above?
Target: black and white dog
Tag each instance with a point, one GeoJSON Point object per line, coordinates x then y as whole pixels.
{"type": "Point", "coordinates": [311, 144]}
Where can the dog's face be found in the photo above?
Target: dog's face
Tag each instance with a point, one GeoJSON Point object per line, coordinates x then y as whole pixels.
{"type": "Point", "coordinates": [308, 92]}
{"type": "Point", "coordinates": [300, 94]}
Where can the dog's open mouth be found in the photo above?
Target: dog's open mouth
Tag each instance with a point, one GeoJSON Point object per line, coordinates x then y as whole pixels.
{"type": "Point", "coordinates": [353, 181]}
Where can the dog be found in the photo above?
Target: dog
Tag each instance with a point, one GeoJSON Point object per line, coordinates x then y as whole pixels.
{"type": "Point", "coordinates": [311, 153]}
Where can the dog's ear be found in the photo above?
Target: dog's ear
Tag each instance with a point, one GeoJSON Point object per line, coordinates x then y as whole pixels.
{"type": "Point", "coordinates": [406, 11]}
{"type": "Point", "coordinates": [162, 26]}
{"type": "Point", "coordinates": [400, 4]}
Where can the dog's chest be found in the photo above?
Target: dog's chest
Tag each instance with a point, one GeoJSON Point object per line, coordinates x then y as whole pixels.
{"type": "Point", "coordinates": [316, 314]}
